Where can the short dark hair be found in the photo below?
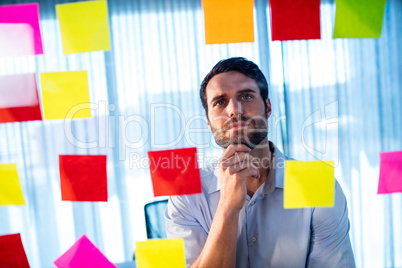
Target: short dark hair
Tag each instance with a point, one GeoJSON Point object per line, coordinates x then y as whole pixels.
{"type": "Point", "coordinates": [241, 65]}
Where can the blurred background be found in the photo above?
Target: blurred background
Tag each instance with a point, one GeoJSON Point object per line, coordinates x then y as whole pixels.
{"type": "Point", "coordinates": [332, 99]}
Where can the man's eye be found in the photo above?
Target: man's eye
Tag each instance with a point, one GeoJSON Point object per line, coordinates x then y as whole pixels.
{"type": "Point", "coordinates": [219, 102]}
{"type": "Point", "coordinates": [247, 97]}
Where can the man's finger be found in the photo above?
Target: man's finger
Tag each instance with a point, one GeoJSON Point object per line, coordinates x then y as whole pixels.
{"type": "Point", "coordinates": [249, 172]}
{"type": "Point", "coordinates": [238, 167]}
{"type": "Point", "coordinates": [233, 149]}
{"type": "Point", "coordinates": [238, 158]}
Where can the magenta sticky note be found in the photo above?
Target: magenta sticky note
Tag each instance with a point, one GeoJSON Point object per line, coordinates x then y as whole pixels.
{"type": "Point", "coordinates": [390, 173]}
{"type": "Point", "coordinates": [23, 14]}
{"type": "Point", "coordinates": [83, 254]}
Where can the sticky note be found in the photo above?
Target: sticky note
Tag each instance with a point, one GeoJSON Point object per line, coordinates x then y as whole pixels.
{"type": "Point", "coordinates": [19, 98]}
{"type": "Point", "coordinates": [295, 19]}
{"type": "Point", "coordinates": [12, 253]}
{"type": "Point", "coordinates": [175, 172]}
{"type": "Point", "coordinates": [83, 254]}
{"type": "Point", "coordinates": [359, 18]}
{"type": "Point", "coordinates": [160, 253]}
{"type": "Point", "coordinates": [84, 26]}
{"type": "Point", "coordinates": [83, 177]}
{"type": "Point", "coordinates": [26, 16]}
{"type": "Point", "coordinates": [10, 188]}
{"type": "Point", "coordinates": [390, 173]}
{"type": "Point", "coordinates": [309, 184]}
{"type": "Point", "coordinates": [16, 39]}
{"type": "Point", "coordinates": [65, 95]}
{"type": "Point", "coordinates": [228, 21]}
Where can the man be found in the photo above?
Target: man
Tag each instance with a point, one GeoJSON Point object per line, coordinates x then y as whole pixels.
{"type": "Point", "coordinates": [238, 220]}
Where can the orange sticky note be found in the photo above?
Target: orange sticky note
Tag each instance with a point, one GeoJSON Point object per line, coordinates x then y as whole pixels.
{"type": "Point", "coordinates": [228, 21]}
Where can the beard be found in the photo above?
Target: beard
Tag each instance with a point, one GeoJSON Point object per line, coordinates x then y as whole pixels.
{"type": "Point", "coordinates": [254, 131]}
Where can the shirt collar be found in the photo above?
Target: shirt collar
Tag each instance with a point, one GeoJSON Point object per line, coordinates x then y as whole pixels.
{"type": "Point", "coordinates": [214, 186]}
{"type": "Point", "coordinates": [275, 176]}
{"type": "Point", "coordinates": [279, 167]}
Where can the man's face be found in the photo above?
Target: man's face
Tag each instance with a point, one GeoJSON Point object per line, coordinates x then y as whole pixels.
{"type": "Point", "coordinates": [236, 111]}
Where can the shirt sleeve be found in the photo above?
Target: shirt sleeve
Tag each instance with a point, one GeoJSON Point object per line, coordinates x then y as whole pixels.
{"type": "Point", "coordinates": [330, 243]}
{"type": "Point", "coordinates": [180, 223]}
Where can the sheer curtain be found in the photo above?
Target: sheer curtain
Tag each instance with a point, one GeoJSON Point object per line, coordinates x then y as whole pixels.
{"type": "Point", "coordinates": [342, 101]}
{"type": "Point", "coordinates": [332, 99]}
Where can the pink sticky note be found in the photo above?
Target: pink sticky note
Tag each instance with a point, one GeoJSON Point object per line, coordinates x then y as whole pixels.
{"type": "Point", "coordinates": [23, 14]}
{"type": "Point", "coordinates": [83, 254]}
{"type": "Point", "coordinates": [390, 173]}
{"type": "Point", "coordinates": [19, 98]}
{"type": "Point", "coordinates": [16, 39]}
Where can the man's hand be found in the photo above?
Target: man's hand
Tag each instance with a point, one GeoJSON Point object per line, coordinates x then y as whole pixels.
{"type": "Point", "coordinates": [235, 166]}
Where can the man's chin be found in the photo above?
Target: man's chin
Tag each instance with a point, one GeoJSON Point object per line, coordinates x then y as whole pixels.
{"type": "Point", "coordinates": [250, 144]}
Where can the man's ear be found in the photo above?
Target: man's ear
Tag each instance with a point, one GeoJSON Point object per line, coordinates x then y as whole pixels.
{"type": "Point", "coordinates": [269, 110]}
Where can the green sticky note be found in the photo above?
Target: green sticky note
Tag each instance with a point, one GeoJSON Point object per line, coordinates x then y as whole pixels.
{"type": "Point", "coordinates": [160, 253]}
{"type": "Point", "coordinates": [309, 184]}
{"type": "Point", "coordinates": [359, 18]}
{"type": "Point", "coordinates": [10, 188]}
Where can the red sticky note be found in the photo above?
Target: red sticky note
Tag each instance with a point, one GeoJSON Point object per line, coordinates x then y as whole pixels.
{"type": "Point", "coordinates": [19, 98]}
{"type": "Point", "coordinates": [390, 173]}
{"type": "Point", "coordinates": [24, 14]}
{"type": "Point", "coordinates": [12, 253]}
{"type": "Point", "coordinates": [83, 177]}
{"type": "Point", "coordinates": [295, 19]}
{"type": "Point", "coordinates": [83, 254]}
{"type": "Point", "coordinates": [175, 172]}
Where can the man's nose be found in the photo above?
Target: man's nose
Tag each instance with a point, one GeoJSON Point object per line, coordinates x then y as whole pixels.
{"type": "Point", "coordinates": [234, 108]}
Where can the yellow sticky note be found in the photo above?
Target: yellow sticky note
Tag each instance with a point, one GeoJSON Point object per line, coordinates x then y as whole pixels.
{"type": "Point", "coordinates": [228, 21]}
{"type": "Point", "coordinates": [65, 95]}
{"type": "Point", "coordinates": [84, 26]}
{"type": "Point", "coordinates": [160, 253]}
{"type": "Point", "coordinates": [10, 188]}
{"type": "Point", "coordinates": [309, 184]}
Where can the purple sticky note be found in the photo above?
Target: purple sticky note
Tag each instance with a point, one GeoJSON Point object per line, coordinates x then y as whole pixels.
{"type": "Point", "coordinates": [83, 254]}
{"type": "Point", "coordinates": [390, 173]}
{"type": "Point", "coordinates": [23, 14]}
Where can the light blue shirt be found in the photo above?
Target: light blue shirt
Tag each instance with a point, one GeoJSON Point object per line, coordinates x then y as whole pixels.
{"type": "Point", "coordinates": [268, 235]}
